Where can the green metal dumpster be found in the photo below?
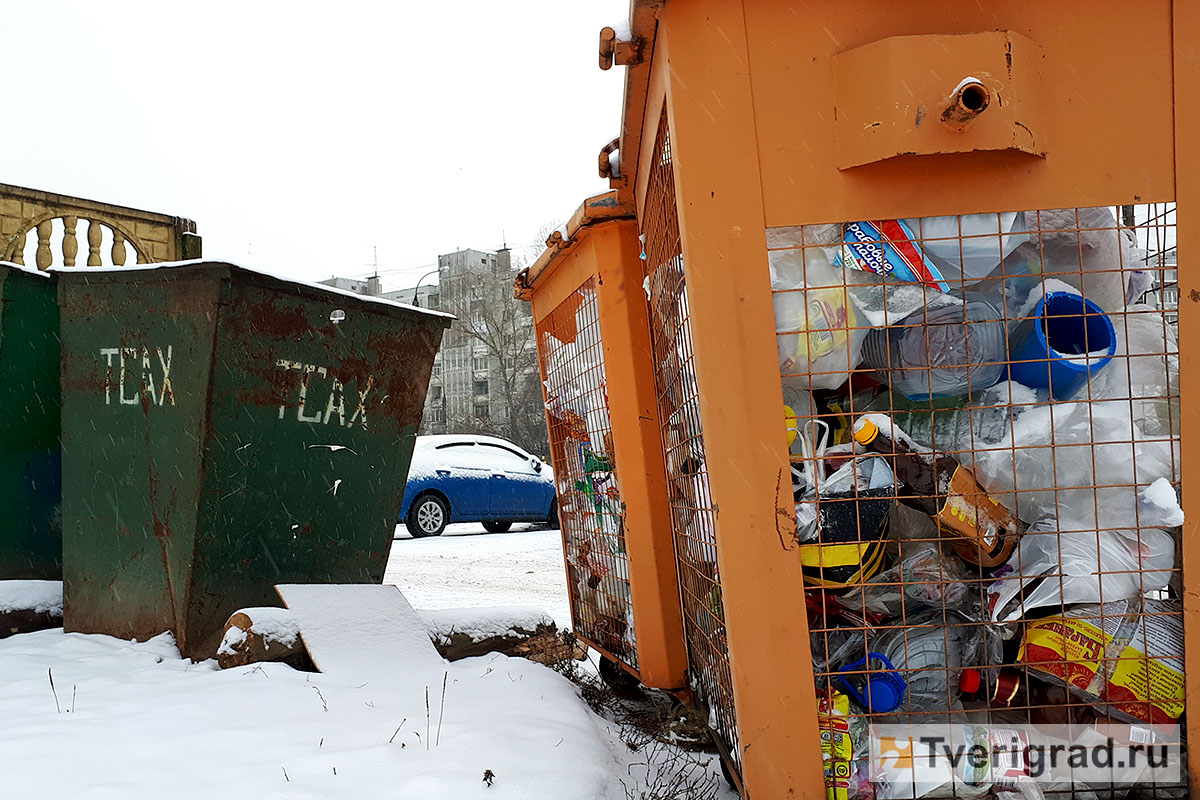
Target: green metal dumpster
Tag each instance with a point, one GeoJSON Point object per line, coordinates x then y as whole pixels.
{"type": "Point", "coordinates": [224, 431]}
{"type": "Point", "coordinates": [30, 457]}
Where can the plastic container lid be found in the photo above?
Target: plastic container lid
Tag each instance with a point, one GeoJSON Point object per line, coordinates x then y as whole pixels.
{"type": "Point", "coordinates": [882, 694]}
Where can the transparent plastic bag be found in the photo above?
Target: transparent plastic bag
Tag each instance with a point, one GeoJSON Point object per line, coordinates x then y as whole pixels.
{"type": "Point", "coordinates": [986, 239]}
{"type": "Point", "coordinates": [1085, 248]}
{"type": "Point", "coordinates": [922, 578]}
{"type": "Point", "coordinates": [1077, 458]}
{"type": "Point", "coordinates": [819, 331]}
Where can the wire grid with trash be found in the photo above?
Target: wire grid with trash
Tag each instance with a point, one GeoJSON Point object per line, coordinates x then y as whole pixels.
{"type": "Point", "coordinates": [692, 513]}
{"type": "Point", "coordinates": [982, 415]}
{"type": "Point", "coordinates": [591, 513]}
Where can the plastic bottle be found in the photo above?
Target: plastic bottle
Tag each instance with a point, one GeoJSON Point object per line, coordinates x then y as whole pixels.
{"type": "Point", "coordinates": [981, 531]}
{"type": "Point", "coordinates": [925, 657]}
{"type": "Point", "coordinates": [997, 688]}
{"type": "Point", "coordinates": [966, 248]}
{"type": "Point", "coordinates": [947, 425]}
{"type": "Point", "coordinates": [949, 348]}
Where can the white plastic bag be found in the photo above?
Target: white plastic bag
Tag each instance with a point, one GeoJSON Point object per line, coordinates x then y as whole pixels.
{"type": "Point", "coordinates": [1062, 564]}
{"type": "Point", "coordinates": [819, 333]}
{"type": "Point", "coordinates": [1085, 248]}
{"type": "Point", "coordinates": [1098, 458]}
{"type": "Point", "coordinates": [1145, 370]}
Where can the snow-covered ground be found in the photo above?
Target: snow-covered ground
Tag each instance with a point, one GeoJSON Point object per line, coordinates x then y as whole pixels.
{"type": "Point", "coordinates": [88, 716]}
{"type": "Point", "coordinates": [467, 567]}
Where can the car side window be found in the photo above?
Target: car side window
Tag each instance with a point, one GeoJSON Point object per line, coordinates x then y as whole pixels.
{"type": "Point", "coordinates": [510, 460]}
{"type": "Point", "coordinates": [460, 454]}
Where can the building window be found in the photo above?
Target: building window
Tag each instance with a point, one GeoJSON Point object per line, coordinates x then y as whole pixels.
{"type": "Point", "coordinates": [481, 387]}
{"type": "Point", "coordinates": [481, 411]}
{"type": "Point", "coordinates": [433, 299]}
{"type": "Point", "coordinates": [480, 363]}
{"type": "Point", "coordinates": [436, 393]}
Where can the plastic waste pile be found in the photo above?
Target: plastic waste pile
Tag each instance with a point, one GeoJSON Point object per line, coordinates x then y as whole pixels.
{"type": "Point", "coordinates": [588, 490]}
{"type": "Point", "coordinates": [983, 423]}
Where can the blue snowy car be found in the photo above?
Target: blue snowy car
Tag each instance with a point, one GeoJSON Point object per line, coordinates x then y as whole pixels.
{"type": "Point", "coordinates": [475, 479]}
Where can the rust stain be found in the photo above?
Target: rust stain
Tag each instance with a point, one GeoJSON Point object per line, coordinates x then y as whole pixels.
{"type": "Point", "coordinates": [276, 321]}
{"type": "Point", "coordinates": [785, 519]}
{"type": "Point", "coordinates": [161, 531]}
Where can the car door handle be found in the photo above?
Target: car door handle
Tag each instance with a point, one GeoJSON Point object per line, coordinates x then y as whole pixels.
{"type": "Point", "coordinates": [497, 474]}
{"type": "Point", "coordinates": [445, 473]}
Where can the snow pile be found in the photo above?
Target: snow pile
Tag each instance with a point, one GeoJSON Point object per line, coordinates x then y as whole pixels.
{"type": "Point", "coordinates": [272, 624]}
{"type": "Point", "coordinates": [40, 597]}
{"type": "Point", "coordinates": [230, 642]}
{"type": "Point", "coordinates": [1047, 286]}
{"type": "Point", "coordinates": [137, 721]}
{"type": "Point", "coordinates": [360, 630]}
{"type": "Point", "coordinates": [483, 623]}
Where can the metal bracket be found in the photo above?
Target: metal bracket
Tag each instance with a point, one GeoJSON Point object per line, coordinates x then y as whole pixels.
{"type": "Point", "coordinates": [614, 51]}
{"type": "Point", "coordinates": [605, 159]}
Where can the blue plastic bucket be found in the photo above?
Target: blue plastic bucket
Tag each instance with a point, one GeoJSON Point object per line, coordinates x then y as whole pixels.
{"type": "Point", "coordinates": [1067, 340]}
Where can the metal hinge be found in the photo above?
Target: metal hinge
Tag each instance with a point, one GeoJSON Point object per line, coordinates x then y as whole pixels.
{"type": "Point", "coordinates": [614, 51]}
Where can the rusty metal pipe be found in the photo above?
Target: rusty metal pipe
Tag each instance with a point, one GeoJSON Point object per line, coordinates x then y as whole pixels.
{"type": "Point", "coordinates": [968, 100]}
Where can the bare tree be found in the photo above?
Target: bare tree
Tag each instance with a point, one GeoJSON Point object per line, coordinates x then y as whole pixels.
{"type": "Point", "coordinates": [489, 315]}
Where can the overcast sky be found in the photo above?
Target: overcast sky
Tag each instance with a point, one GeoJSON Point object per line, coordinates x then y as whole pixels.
{"type": "Point", "coordinates": [301, 135]}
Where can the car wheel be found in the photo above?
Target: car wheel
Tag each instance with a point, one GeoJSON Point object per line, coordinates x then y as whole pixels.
{"type": "Point", "coordinates": [552, 518]}
{"type": "Point", "coordinates": [427, 516]}
{"type": "Point", "coordinates": [496, 526]}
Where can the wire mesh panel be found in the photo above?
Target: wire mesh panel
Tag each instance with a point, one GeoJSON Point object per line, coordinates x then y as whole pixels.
{"type": "Point", "coordinates": [589, 495]}
{"type": "Point", "coordinates": [692, 517]}
{"type": "Point", "coordinates": [983, 419]}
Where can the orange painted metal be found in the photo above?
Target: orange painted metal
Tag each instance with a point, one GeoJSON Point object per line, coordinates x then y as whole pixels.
{"type": "Point", "coordinates": [771, 111]}
{"type": "Point", "coordinates": [1186, 27]}
{"type": "Point", "coordinates": [601, 251]}
{"type": "Point", "coordinates": [752, 99]}
{"type": "Point", "coordinates": [892, 102]}
{"type": "Point", "coordinates": [1106, 95]}
{"type": "Point", "coordinates": [715, 151]}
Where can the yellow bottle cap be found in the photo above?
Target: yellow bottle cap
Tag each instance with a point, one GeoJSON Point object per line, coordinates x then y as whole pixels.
{"type": "Point", "coordinates": [865, 431]}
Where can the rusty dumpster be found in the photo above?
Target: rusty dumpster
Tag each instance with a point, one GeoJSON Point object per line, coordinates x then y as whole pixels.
{"type": "Point", "coordinates": [227, 430]}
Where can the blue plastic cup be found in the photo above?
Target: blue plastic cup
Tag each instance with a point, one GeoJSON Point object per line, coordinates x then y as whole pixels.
{"type": "Point", "coordinates": [1067, 340]}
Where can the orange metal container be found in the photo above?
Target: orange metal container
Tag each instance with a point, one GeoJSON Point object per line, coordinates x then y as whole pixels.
{"type": "Point", "coordinates": [749, 125]}
{"type": "Point", "coordinates": [594, 351]}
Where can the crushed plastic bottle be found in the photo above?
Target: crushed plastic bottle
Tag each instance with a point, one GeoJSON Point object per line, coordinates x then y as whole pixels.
{"type": "Point", "coordinates": [949, 349]}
